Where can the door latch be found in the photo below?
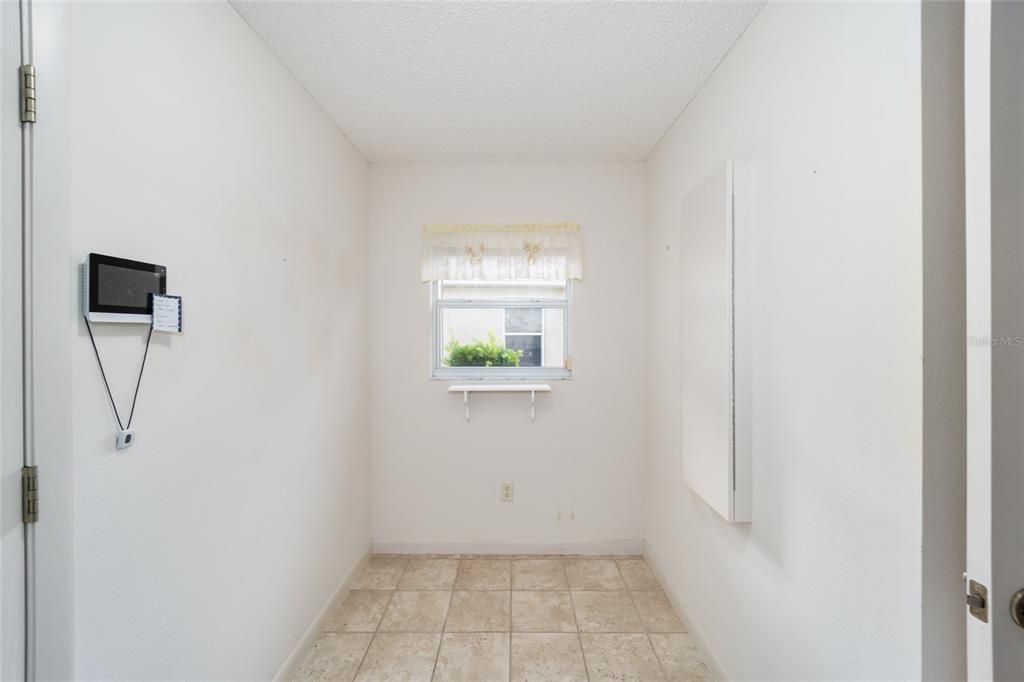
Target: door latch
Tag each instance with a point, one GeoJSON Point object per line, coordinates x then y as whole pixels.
{"type": "Point", "coordinates": [977, 600]}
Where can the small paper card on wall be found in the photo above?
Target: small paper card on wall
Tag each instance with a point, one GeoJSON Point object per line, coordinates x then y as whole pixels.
{"type": "Point", "coordinates": [166, 313]}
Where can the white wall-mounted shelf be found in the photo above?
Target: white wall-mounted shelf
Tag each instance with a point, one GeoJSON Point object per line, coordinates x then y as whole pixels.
{"type": "Point", "coordinates": [532, 389]}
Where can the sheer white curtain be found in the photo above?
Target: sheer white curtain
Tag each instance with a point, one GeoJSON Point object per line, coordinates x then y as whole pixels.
{"type": "Point", "coordinates": [533, 251]}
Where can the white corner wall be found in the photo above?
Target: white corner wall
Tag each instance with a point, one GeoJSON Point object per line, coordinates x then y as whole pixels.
{"type": "Point", "coordinates": [825, 100]}
{"type": "Point", "coordinates": [436, 478]}
{"type": "Point", "coordinates": [208, 548]}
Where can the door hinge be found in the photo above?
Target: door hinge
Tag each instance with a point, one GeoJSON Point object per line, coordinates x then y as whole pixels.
{"type": "Point", "coordinates": [977, 600]}
{"type": "Point", "coordinates": [27, 79]}
{"type": "Point", "coordinates": [29, 494]}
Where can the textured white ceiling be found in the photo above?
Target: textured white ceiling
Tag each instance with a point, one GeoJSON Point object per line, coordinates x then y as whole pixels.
{"type": "Point", "coordinates": [438, 81]}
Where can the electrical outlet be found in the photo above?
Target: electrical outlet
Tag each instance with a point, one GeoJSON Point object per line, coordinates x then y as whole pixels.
{"type": "Point", "coordinates": [507, 492]}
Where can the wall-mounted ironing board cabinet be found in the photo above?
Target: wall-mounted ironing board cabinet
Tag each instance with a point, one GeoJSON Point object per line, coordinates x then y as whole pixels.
{"type": "Point", "coordinates": [715, 264]}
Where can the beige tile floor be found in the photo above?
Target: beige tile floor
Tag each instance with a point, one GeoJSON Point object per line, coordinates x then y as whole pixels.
{"type": "Point", "coordinates": [504, 619]}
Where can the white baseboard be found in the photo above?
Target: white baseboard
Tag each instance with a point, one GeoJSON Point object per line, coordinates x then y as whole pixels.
{"type": "Point", "coordinates": [714, 663]}
{"type": "Point", "coordinates": [502, 547]}
{"type": "Point", "coordinates": [290, 668]}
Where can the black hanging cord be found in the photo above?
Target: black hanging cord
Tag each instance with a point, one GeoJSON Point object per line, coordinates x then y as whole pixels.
{"type": "Point", "coordinates": [138, 383]}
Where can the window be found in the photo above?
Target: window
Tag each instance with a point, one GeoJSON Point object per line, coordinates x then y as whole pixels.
{"type": "Point", "coordinates": [501, 329]}
{"type": "Point", "coordinates": [500, 298]}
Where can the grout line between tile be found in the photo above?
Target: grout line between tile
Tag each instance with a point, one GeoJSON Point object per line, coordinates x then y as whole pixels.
{"type": "Point", "coordinates": [505, 632]}
{"type": "Point", "coordinates": [657, 657]}
{"type": "Point", "coordinates": [647, 632]}
{"type": "Point", "coordinates": [444, 627]}
{"type": "Point", "coordinates": [510, 623]}
{"type": "Point", "coordinates": [579, 637]}
{"type": "Point", "coordinates": [376, 629]}
{"type": "Point", "coordinates": [458, 572]}
{"type": "Point", "coordinates": [685, 631]}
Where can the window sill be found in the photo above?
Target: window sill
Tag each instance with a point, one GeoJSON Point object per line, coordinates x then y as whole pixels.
{"type": "Point", "coordinates": [499, 377]}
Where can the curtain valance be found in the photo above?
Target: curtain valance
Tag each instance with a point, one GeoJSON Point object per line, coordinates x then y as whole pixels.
{"type": "Point", "coordinates": [525, 251]}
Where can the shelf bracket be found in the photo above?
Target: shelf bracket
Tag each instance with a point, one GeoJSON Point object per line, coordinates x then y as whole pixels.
{"type": "Point", "coordinates": [532, 389]}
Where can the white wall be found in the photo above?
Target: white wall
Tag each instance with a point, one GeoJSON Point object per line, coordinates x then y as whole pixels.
{"type": "Point", "coordinates": [436, 478]}
{"type": "Point", "coordinates": [825, 100]}
{"type": "Point", "coordinates": [208, 548]}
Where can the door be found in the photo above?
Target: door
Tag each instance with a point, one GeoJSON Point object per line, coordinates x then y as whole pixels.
{"type": "Point", "coordinates": [37, 314]}
{"type": "Point", "coordinates": [994, 191]}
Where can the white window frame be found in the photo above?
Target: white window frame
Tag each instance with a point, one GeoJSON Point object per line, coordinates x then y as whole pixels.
{"type": "Point", "coordinates": [505, 333]}
{"type": "Point", "coordinates": [437, 307]}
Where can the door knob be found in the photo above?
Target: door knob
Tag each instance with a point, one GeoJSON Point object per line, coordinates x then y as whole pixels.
{"type": "Point", "coordinates": [1017, 608]}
